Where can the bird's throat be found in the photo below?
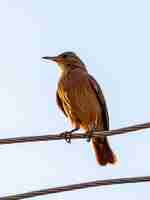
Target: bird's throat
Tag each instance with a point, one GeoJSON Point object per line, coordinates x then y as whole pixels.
{"type": "Point", "coordinates": [63, 69]}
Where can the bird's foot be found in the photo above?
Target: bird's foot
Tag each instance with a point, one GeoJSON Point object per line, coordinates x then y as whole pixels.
{"type": "Point", "coordinates": [89, 134]}
{"type": "Point", "coordinates": [67, 135]}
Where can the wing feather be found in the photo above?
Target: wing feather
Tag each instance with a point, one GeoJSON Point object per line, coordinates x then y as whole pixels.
{"type": "Point", "coordinates": [60, 104]}
{"type": "Point", "coordinates": [101, 100]}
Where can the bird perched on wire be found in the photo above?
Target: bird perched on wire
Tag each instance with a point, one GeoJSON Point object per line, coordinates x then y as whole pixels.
{"type": "Point", "coordinates": [80, 98]}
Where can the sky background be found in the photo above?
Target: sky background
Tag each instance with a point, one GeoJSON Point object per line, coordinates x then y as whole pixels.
{"type": "Point", "coordinates": [113, 39]}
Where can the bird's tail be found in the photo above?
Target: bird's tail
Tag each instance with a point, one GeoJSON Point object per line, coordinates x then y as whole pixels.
{"type": "Point", "coordinates": [104, 154]}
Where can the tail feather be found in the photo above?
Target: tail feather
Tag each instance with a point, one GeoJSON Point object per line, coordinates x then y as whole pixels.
{"type": "Point", "coordinates": [104, 154]}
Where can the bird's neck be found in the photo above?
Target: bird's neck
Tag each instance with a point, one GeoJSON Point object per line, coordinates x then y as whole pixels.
{"type": "Point", "coordinates": [64, 70]}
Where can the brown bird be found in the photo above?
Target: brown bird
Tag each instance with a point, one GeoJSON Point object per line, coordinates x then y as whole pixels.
{"type": "Point", "coordinates": [80, 98]}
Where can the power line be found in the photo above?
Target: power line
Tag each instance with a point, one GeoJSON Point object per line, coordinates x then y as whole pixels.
{"type": "Point", "coordinates": [64, 135]}
{"type": "Point", "coordinates": [77, 186]}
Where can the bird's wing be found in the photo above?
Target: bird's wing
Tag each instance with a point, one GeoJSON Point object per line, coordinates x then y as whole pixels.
{"type": "Point", "coordinates": [101, 100]}
{"type": "Point", "coordinates": [59, 103]}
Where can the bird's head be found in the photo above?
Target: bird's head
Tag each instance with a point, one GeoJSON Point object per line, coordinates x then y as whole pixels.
{"type": "Point", "coordinates": [67, 61]}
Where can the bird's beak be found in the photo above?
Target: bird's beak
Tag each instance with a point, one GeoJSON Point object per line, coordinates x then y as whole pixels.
{"type": "Point", "coordinates": [54, 58]}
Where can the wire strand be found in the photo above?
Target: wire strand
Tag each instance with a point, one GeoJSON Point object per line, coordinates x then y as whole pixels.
{"type": "Point", "coordinates": [77, 186]}
{"type": "Point", "coordinates": [62, 136]}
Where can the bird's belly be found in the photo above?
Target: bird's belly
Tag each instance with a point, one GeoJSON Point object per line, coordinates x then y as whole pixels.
{"type": "Point", "coordinates": [82, 107]}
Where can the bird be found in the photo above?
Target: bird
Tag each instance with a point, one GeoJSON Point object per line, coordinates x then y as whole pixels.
{"type": "Point", "coordinates": [80, 98]}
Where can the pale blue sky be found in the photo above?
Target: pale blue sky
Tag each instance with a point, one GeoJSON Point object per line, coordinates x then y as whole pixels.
{"type": "Point", "coordinates": [113, 39]}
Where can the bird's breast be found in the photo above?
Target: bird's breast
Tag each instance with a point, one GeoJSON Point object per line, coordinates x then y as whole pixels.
{"type": "Point", "coordinates": [78, 98]}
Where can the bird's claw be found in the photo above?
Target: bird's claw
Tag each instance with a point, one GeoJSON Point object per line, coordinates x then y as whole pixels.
{"type": "Point", "coordinates": [89, 136]}
{"type": "Point", "coordinates": [67, 136]}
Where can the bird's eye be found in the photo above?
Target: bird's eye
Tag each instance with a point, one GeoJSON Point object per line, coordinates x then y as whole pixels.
{"type": "Point", "coordinates": [65, 56]}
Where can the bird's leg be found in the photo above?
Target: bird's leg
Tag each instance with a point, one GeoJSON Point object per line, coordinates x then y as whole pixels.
{"type": "Point", "coordinates": [90, 133]}
{"type": "Point", "coordinates": [91, 130]}
{"type": "Point", "coordinates": [67, 135]}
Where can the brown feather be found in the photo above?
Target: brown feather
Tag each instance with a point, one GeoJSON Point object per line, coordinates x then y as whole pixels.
{"type": "Point", "coordinates": [80, 98]}
{"type": "Point", "coordinates": [59, 103]}
{"type": "Point", "coordinates": [96, 87]}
